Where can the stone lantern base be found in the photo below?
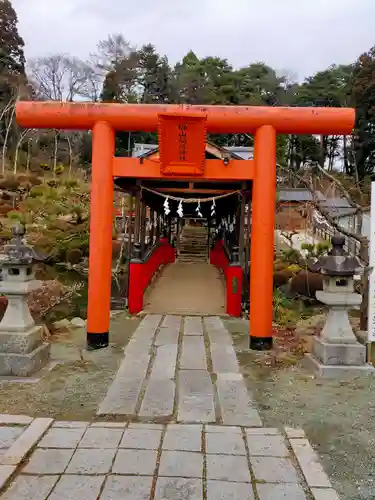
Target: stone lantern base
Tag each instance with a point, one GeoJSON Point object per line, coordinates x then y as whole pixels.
{"type": "Point", "coordinates": [338, 360]}
{"type": "Point", "coordinates": [23, 353]}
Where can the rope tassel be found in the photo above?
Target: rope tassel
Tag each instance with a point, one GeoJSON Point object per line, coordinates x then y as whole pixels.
{"type": "Point", "coordinates": [198, 210]}
{"type": "Point", "coordinates": [167, 210]}
{"type": "Point", "coordinates": [180, 210]}
{"type": "Point", "coordinates": [213, 208]}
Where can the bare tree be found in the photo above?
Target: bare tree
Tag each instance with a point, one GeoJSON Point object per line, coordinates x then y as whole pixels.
{"type": "Point", "coordinates": [63, 78]}
{"type": "Point", "coordinates": [110, 53]}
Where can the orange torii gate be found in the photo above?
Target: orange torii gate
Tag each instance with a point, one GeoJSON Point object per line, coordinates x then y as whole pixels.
{"type": "Point", "coordinates": [182, 136]}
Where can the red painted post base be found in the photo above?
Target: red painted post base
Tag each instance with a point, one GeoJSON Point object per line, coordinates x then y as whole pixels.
{"type": "Point", "coordinates": [234, 279]}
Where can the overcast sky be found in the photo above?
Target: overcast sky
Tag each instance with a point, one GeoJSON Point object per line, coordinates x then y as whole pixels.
{"type": "Point", "coordinates": [301, 36]}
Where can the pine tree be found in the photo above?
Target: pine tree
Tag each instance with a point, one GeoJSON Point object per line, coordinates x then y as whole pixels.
{"type": "Point", "coordinates": [12, 58]}
{"type": "Point", "coordinates": [12, 69]}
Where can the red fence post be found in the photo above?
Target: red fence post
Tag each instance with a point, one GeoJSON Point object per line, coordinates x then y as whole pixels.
{"type": "Point", "coordinates": [234, 281]}
{"type": "Point", "coordinates": [141, 272]}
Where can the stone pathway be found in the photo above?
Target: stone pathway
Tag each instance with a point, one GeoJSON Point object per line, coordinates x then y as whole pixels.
{"type": "Point", "coordinates": [42, 459]}
{"type": "Point", "coordinates": [187, 288]}
{"type": "Point", "coordinates": [183, 428]}
{"type": "Point", "coordinates": [181, 370]}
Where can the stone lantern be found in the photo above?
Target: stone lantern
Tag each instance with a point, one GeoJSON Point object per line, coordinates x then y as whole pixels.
{"type": "Point", "coordinates": [336, 351]}
{"type": "Point", "coordinates": [22, 350]}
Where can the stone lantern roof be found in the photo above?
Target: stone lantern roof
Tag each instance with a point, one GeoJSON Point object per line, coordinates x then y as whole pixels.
{"type": "Point", "coordinates": [338, 262]}
{"type": "Point", "coordinates": [18, 252]}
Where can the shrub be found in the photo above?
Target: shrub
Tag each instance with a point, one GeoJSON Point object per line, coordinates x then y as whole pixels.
{"type": "Point", "coordinates": [5, 209]}
{"type": "Point", "coordinates": [291, 255]}
{"type": "Point", "coordinates": [306, 283]}
{"type": "Point", "coordinates": [281, 278]}
{"type": "Point", "coordinates": [11, 183]}
{"type": "Point", "coordinates": [74, 256]}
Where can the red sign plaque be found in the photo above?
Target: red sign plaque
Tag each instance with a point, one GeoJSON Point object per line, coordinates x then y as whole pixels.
{"type": "Point", "coordinates": [182, 144]}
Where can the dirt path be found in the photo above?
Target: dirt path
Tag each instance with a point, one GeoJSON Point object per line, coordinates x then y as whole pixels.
{"type": "Point", "coordinates": [187, 288]}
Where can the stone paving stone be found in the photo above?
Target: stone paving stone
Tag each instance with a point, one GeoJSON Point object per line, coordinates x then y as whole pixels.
{"type": "Point", "coordinates": [151, 321]}
{"type": "Point", "coordinates": [5, 473]}
{"type": "Point", "coordinates": [48, 461]}
{"type": "Point", "coordinates": [193, 355]}
{"type": "Point", "coordinates": [62, 438]}
{"type": "Point", "coordinates": [181, 464]}
{"type": "Point", "coordinates": [139, 425]}
{"type": "Point", "coordinates": [143, 439]}
{"type": "Point", "coordinates": [324, 494]}
{"type": "Point", "coordinates": [8, 435]}
{"type": "Point", "coordinates": [309, 462]}
{"type": "Point", "coordinates": [127, 488]}
{"type": "Point", "coordinates": [164, 366]}
{"type": "Point", "coordinates": [138, 347]}
{"type": "Point", "coordinates": [280, 492]}
{"type": "Point", "coordinates": [294, 433]}
{"type": "Point", "coordinates": [224, 358]}
{"type": "Point", "coordinates": [70, 424]}
{"type": "Point", "coordinates": [171, 321]}
{"type": "Point", "coordinates": [178, 489]}
{"type": "Point", "coordinates": [28, 439]}
{"type": "Point", "coordinates": [84, 487]}
{"type": "Point", "coordinates": [123, 394]}
{"type": "Point", "coordinates": [114, 425]}
{"type": "Point", "coordinates": [267, 446]}
{"type": "Point", "coordinates": [30, 488]}
{"type": "Point", "coordinates": [196, 397]}
{"type": "Point", "coordinates": [274, 470]}
{"type": "Point", "coordinates": [225, 444]}
{"type": "Point", "coordinates": [235, 403]}
{"type": "Point", "coordinates": [167, 335]}
{"type": "Point", "coordinates": [223, 429]}
{"type": "Point", "coordinates": [220, 337]}
{"type": "Point", "coordinates": [183, 438]}
{"type": "Point", "coordinates": [138, 462]}
{"type": "Point", "coordinates": [158, 400]}
{"type": "Point", "coordinates": [262, 431]}
{"type": "Point", "coordinates": [101, 438]}
{"type": "Point", "coordinates": [193, 325]}
{"type": "Point", "coordinates": [122, 397]}
{"type": "Point", "coordinates": [213, 322]}
{"type": "Point", "coordinates": [6, 419]}
{"type": "Point", "coordinates": [91, 461]}
{"type": "Point", "coordinates": [220, 490]}
{"type": "Point", "coordinates": [228, 468]}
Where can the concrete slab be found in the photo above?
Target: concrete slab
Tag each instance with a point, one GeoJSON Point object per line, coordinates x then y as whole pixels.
{"type": "Point", "coordinates": [235, 403]}
{"type": "Point", "coordinates": [221, 490]}
{"type": "Point", "coordinates": [68, 486]}
{"type": "Point", "coordinates": [30, 487]}
{"type": "Point", "coordinates": [159, 398]}
{"type": "Point", "coordinates": [196, 397]}
{"type": "Point", "coordinates": [91, 461]}
{"type": "Point", "coordinates": [280, 492]}
{"type": "Point", "coordinates": [228, 468]}
{"type": "Point", "coordinates": [168, 488]}
{"type": "Point", "coordinates": [193, 355]}
{"type": "Point", "coordinates": [135, 462]}
{"type": "Point", "coordinates": [181, 464]}
{"type": "Point", "coordinates": [121, 488]}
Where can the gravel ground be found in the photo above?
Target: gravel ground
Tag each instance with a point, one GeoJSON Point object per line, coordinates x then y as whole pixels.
{"type": "Point", "coordinates": [76, 386]}
{"type": "Point", "coordinates": [337, 416]}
